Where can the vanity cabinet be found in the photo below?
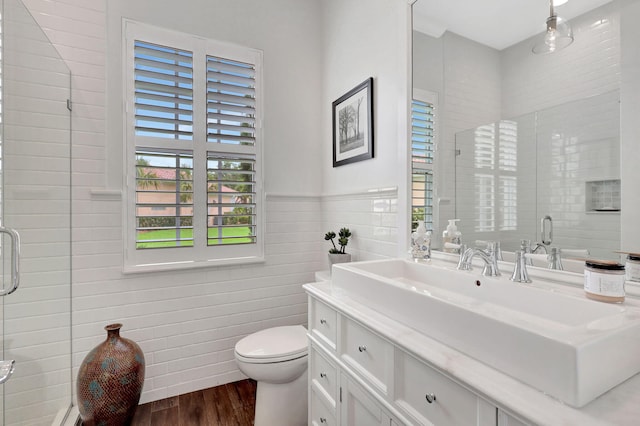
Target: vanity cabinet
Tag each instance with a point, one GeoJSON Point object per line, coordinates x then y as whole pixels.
{"type": "Point", "coordinates": [357, 378]}
{"type": "Point", "coordinates": [358, 408]}
{"type": "Point", "coordinates": [505, 419]}
{"type": "Point", "coordinates": [335, 399]}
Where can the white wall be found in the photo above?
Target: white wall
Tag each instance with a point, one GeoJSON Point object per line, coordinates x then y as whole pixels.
{"type": "Point", "coordinates": [578, 144]}
{"type": "Point", "coordinates": [469, 89]}
{"type": "Point", "coordinates": [589, 66]}
{"type": "Point", "coordinates": [428, 62]}
{"type": "Point", "coordinates": [571, 129]}
{"type": "Point", "coordinates": [187, 323]}
{"type": "Point", "coordinates": [630, 125]}
{"type": "Point", "coordinates": [360, 42]}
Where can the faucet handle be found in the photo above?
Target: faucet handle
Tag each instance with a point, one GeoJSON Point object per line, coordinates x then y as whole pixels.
{"type": "Point", "coordinates": [498, 251]}
{"type": "Point", "coordinates": [520, 274]}
{"type": "Point", "coordinates": [525, 246]}
{"type": "Point", "coordinates": [463, 265]}
{"type": "Point", "coordinates": [493, 248]}
{"type": "Point", "coordinates": [554, 258]}
{"type": "Point", "coordinates": [491, 266]}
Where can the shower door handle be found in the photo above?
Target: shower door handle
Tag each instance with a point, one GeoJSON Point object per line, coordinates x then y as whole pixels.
{"type": "Point", "coordinates": [543, 230]}
{"type": "Point", "coordinates": [6, 370]}
{"type": "Point", "coordinates": [15, 261]}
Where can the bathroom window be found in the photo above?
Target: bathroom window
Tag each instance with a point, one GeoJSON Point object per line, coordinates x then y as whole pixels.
{"type": "Point", "coordinates": [422, 158]}
{"type": "Point", "coordinates": [195, 151]}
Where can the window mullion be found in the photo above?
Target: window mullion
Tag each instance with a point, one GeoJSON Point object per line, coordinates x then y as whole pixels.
{"type": "Point", "coordinates": [200, 148]}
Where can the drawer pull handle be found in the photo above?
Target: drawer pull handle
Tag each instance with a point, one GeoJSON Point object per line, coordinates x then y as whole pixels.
{"type": "Point", "coordinates": [323, 375]}
{"type": "Point", "coordinates": [430, 397]}
{"type": "Point", "coordinates": [323, 420]}
{"type": "Point", "coordinates": [362, 348]}
{"type": "Point", "coordinates": [323, 321]}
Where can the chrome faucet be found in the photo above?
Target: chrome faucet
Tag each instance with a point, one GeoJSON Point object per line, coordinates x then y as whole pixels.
{"type": "Point", "coordinates": [520, 274]}
{"type": "Point", "coordinates": [528, 248]}
{"type": "Point", "coordinates": [537, 246]}
{"type": "Point", "coordinates": [554, 259]}
{"type": "Point", "coordinates": [486, 243]}
{"type": "Point", "coordinates": [461, 265]}
{"type": "Point", "coordinates": [489, 255]}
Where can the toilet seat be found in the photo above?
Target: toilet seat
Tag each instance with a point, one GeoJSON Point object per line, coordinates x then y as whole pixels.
{"type": "Point", "coordinates": [277, 344]}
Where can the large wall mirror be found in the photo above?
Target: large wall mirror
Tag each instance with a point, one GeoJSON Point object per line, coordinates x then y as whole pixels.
{"type": "Point", "coordinates": [518, 143]}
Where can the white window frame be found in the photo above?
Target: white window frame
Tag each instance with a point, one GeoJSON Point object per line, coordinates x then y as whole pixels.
{"type": "Point", "coordinates": [200, 255]}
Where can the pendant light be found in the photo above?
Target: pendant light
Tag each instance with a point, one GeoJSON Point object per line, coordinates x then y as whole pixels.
{"type": "Point", "coordinates": [558, 35]}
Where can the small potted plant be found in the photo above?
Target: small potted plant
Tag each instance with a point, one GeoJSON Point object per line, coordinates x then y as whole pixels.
{"type": "Point", "coordinates": [338, 255]}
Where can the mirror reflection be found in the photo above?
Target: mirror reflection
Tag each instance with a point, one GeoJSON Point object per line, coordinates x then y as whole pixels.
{"type": "Point", "coordinates": [504, 138]}
{"type": "Point", "coordinates": [561, 163]}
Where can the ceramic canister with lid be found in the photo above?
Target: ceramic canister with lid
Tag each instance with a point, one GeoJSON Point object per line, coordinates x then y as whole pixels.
{"type": "Point", "coordinates": [604, 281]}
{"type": "Point", "coordinates": [633, 267]}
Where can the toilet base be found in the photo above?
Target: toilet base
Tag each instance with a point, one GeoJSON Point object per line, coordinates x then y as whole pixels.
{"type": "Point", "coordinates": [282, 404]}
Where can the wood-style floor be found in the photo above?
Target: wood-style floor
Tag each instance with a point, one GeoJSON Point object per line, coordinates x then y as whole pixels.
{"type": "Point", "coordinates": [232, 404]}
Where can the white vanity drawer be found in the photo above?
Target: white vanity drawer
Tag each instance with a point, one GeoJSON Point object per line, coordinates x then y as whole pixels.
{"type": "Point", "coordinates": [319, 413]}
{"type": "Point", "coordinates": [323, 323]}
{"type": "Point", "coordinates": [324, 374]}
{"type": "Point", "coordinates": [429, 397]}
{"type": "Point", "coordinates": [370, 356]}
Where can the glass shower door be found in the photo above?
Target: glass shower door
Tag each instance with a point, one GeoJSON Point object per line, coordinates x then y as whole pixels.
{"type": "Point", "coordinates": [35, 149]}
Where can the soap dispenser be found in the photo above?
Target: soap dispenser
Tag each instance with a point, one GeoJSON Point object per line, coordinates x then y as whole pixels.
{"type": "Point", "coordinates": [451, 237]}
{"type": "Point", "coordinates": [421, 243]}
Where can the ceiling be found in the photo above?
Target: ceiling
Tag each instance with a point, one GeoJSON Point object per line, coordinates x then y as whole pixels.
{"type": "Point", "coordinates": [495, 23]}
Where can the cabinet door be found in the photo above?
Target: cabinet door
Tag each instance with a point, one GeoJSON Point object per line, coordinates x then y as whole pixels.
{"type": "Point", "coordinates": [505, 419]}
{"type": "Point", "coordinates": [358, 408]}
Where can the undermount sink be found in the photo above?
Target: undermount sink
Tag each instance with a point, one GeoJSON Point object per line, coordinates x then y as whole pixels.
{"type": "Point", "coordinates": [567, 346]}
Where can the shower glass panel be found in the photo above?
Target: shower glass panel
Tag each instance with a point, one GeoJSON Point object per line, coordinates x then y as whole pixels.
{"type": "Point", "coordinates": [562, 162]}
{"type": "Point", "coordinates": [35, 185]}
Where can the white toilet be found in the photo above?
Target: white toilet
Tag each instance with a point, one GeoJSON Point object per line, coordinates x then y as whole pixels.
{"type": "Point", "coordinates": [277, 359]}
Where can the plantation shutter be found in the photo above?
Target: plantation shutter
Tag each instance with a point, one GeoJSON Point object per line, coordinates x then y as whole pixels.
{"type": "Point", "coordinates": [231, 173]}
{"type": "Point", "coordinates": [231, 102]}
{"type": "Point", "coordinates": [231, 204]}
{"type": "Point", "coordinates": [193, 126]}
{"type": "Point", "coordinates": [496, 182]}
{"type": "Point", "coordinates": [164, 200]}
{"type": "Point", "coordinates": [508, 184]}
{"type": "Point", "coordinates": [163, 91]}
{"type": "Point", "coordinates": [422, 149]}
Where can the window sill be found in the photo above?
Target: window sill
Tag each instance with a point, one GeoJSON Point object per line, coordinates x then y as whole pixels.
{"type": "Point", "coordinates": [180, 266]}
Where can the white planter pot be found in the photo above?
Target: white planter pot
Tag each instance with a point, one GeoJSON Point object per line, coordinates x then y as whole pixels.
{"type": "Point", "coordinates": [338, 258]}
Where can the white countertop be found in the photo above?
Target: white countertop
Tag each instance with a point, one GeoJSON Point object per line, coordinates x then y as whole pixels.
{"type": "Point", "coordinates": [619, 406]}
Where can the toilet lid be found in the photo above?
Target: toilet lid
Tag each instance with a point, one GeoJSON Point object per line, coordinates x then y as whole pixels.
{"type": "Point", "coordinates": [277, 342]}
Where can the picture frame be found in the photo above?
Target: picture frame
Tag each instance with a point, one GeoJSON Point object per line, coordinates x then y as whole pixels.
{"type": "Point", "coordinates": [352, 119]}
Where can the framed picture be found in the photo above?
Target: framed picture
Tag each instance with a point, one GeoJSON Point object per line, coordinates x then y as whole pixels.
{"type": "Point", "coordinates": [353, 125]}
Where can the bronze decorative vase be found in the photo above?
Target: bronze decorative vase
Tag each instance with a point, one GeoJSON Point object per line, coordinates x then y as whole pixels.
{"type": "Point", "coordinates": [110, 381]}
